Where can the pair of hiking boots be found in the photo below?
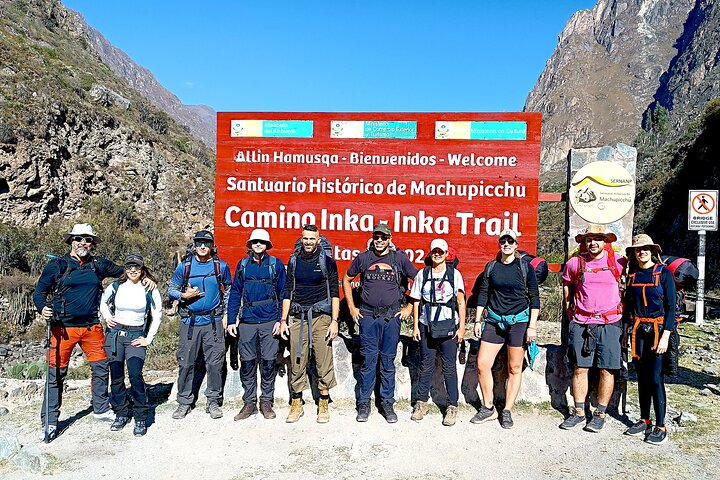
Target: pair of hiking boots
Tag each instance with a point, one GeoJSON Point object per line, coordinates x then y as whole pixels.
{"type": "Point", "coordinates": [596, 423]}
{"type": "Point", "coordinates": [297, 410]}
{"type": "Point", "coordinates": [422, 408]}
{"type": "Point", "coordinates": [139, 430]}
{"type": "Point", "coordinates": [653, 435]}
{"type": "Point", "coordinates": [212, 408]}
{"type": "Point", "coordinates": [250, 409]}
{"type": "Point", "coordinates": [486, 414]}
{"type": "Point", "coordinates": [387, 410]}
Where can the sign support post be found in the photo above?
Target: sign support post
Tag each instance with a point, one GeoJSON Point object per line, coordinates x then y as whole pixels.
{"type": "Point", "coordinates": [702, 216]}
{"type": "Point", "coordinates": [700, 302]}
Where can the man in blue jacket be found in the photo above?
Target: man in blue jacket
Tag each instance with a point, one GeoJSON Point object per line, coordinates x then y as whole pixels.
{"type": "Point", "coordinates": [201, 285]}
{"type": "Point", "coordinates": [254, 317]}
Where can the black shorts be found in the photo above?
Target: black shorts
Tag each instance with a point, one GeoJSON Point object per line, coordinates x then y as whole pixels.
{"type": "Point", "coordinates": [602, 345]}
{"type": "Point", "coordinates": [513, 336]}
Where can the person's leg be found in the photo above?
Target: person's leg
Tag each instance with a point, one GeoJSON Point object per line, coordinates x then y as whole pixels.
{"type": "Point", "coordinates": [299, 356]}
{"type": "Point", "coordinates": [390, 337]}
{"type": "Point", "coordinates": [213, 344]}
{"type": "Point", "coordinates": [658, 389]}
{"type": "Point", "coordinates": [369, 349]}
{"type": "Point", "coordinates": [118, 392]}
{"type": "Point", "coordinates": [187, 352]}
{"type": "Point", "coordinates": [428, 351]}
{"type": "Point", "coordinates": [61, 346]}
{"type": "Point", "coordinates": [92, 343]}
{"type": "Point", "coordinates": [268, 351]}
{"type": "Point", "coordinates": [515, 362]}
{"type": "Point", "coordinates": [448, 352]}
{"type": "Point", "coordinates": [247, 347]}
{"type": "Point", "coordinates": [323, 353]}
{"type": "Point", "coordinates": [485, 360]}
{"type": "Point", "coordinates": [606, 385]}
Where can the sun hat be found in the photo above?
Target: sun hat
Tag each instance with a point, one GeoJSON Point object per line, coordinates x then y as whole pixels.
{"type": "Point", "coordinates": [642, 240]}
{"type": "Point", "coordinates": [596, 230]}
{"type": "Point", "coordinates": [259, 234]}
{"type": "Point", "coordinates": [81, 229]}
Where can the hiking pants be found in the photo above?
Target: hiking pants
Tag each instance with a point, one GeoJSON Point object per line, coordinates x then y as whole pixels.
{"type": "Point", "coordinates": [448, 352]}
{"type": "Point", "coordinates": [256, 340]}
{"type": "Point", "coordinates": [119, 349]}
{"type": "Point", "coordinates": [379, 336]}
{"type": "Point", "coordinates": [321, 349]}
{"type": "Point", "coordinates": [212, 341]}
{"type": "Point", "coordinates": [651, 381]}
{"type": "Point", "coordinates": [62, 342]}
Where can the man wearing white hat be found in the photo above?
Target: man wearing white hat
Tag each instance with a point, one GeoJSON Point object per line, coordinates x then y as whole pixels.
{"type": "Point", "coordinates": [68, 296]}
{"type": "Point", "coordinates": [254, 317]}
{"type": "Point", "coordinates": [592, 299]}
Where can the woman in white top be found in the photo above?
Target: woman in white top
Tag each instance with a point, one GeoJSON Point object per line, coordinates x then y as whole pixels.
{"type": "Point", "coordinates": [128, 308]}
{"type": "Point", "coordinates": [439, 325]}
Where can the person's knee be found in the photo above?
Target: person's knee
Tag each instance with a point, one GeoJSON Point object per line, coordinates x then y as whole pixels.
{"type": "Point", "coordinates": [514, 368]}
{"type": "Point", "coordinates": [580, 373]}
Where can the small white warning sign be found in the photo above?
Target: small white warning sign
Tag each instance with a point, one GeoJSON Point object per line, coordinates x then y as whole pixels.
{"type": "Point", "coordinates": [702, 210]}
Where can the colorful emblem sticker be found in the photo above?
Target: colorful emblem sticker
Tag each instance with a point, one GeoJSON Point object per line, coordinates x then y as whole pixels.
{"type": "Point", "coordinates": [373, 129]}
{"type": "Point", "coordinates": [272, 128]}
{"type": "Point", "coordinates": [602, 192]}
{"type": "Point", "coordinates": [495, 130]}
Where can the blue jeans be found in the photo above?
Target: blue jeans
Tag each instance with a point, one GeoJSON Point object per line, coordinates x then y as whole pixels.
{"type": "Point", "coordinates": [379, 336]}
{"type": "Point", "coordinates": [448, 352]}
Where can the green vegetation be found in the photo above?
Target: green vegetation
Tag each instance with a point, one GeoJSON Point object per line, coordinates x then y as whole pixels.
{"type": "Point", "coordinates": [26, 371]}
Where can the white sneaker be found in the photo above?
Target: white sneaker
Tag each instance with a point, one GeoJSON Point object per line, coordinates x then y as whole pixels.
{"type": "Point", "coordinates": [107, 416]}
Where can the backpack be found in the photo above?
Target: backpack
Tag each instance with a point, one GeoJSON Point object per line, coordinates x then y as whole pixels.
{"type": "Point", "coordinates": [272, 266]}
{"type": "Point", "coordinates": [64, 271]}
{"type": "Point", "coordinates": [149, 305]}
{"type": "Point", "coordinates": [611, 266]}
{"type": "Point", "coordinates": [325, 252]}
{"type": "Point", "coordinates": [186, 260]}
{"type": "Point", "coordinates": [684, 271]}
{"type": "Point", "coordinates": [446, 327]}
{"type": "Point", "coordinates": [538, 264]}
{"type": "Point", "coordinates": [523, 270]}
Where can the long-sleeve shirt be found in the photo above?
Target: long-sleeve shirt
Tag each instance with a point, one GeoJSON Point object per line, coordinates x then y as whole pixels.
{"type": "Point", "coordinates": [649, 301]}
{"type": "Point", "coordinates": [309, 282]}
{"type": "Point", "coordinates": [202, 276]}
{"type": "Point", "coordinates": [76, 288]}
{"type": "Point", "coordinates": [130, 306]}
{"type": "Point", "coordinates": [504, 291]}
{"type": "Point", "coordinates": [258, 289]}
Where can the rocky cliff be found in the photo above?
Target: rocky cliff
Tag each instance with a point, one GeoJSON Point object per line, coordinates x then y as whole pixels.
{"type": "Point", "coordinates": [603, 75]}
{"type": "Point", "coordinates": [71, 129]}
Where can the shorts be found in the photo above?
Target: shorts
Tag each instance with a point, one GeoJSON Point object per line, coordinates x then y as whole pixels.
{"type": "Point", "coordinates": [513, 336]}
{"type": "Point", "coordinates": [595, 345]}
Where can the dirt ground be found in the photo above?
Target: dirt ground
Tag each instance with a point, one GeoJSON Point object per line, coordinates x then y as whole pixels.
{"type": "Point", "coordinates": [199, 447]}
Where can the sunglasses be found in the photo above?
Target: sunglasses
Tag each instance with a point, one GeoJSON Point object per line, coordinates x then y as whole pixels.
{"type": "Point", "coordinates": [594, 239]}
{"type": "Point", "coordinates": [438, 251]}
{"type": "Point", "coordinates": [380, 236]}
{"type": "Point", "coordinates": [80, 239]}
{"type": "Point", "coordinates": [258, 242]}
{"type": "Point", "coordinates": [130, 268]}
{"type": "Point", "coordinates": [203, 243]}
{"type": "Point", "coordinates": [507, 241]}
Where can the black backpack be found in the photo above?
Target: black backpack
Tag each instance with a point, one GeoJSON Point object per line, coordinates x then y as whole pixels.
{"type": "Point", "coordinates": [325, 252]}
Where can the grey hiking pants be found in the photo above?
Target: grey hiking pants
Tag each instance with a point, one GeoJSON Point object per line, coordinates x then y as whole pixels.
{"type": "Point", "coordinates": [212, 340]}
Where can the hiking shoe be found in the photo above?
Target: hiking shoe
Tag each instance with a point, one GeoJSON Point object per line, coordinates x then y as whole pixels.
{"type": "Point", "coordinates": [245, 412]}
{"type": "Point", "coordinates": [450, 416]}
{"type": "Point", "coordinates": [419, 411]}
{"type": "Point", "coordinates": [574, 419]}
{"type": "Point", "coordinates": [638, 428]}
{"type": "Point", "coordinates": [119, 423]}
{"type": "Point", "coordinates": [106, 416]}
{"type": "Point", "coordinates": [323, 411]}
{"type": "Point", "coordinates": [596, 423]}
{"type": "Point", "coordinates": [181, 412]}
{"type": "Point", "coordinates": [51, 433]}
{"type": "Point", "coordinates": [484, 414]}
{"type": "Point", "coordinates": [266, 408]}
{"type": "Point", "coordinates": [296, 411]}
{"type": "Point", "coordinates": [140, 428]}
{"type": "Point", "coordinates": [214, 410]}
{"type": "Point", "coordinates": [657, 436]}
{"type": "Point", "coordinates": [389, 413]}
{"type": "Point", "coordinates": [363, 412]}
{"type": "Point", "coordinates": [506, 420]}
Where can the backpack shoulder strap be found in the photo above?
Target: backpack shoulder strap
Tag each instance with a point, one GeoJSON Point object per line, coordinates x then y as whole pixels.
{"type": "Point", "coordinates": [218, 275]}
{"type": "Point", "coordinates": [489, 268]}
{"type": "Point", "coordinates": [187, 264]}
{"type": "Point", "coordinates": [523, 270]}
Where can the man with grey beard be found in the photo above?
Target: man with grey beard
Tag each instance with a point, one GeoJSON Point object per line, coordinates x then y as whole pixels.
{"type": "Point", "coordinates": [67, 296]}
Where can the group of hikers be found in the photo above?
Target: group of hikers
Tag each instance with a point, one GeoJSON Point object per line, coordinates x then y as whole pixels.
{"type": "Point", "coordinates": [267, 301]}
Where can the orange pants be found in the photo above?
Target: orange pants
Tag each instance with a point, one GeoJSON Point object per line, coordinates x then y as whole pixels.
{"type": "Point", "coordinates": [64, 339]}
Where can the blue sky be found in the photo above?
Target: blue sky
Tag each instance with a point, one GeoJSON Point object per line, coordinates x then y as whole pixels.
{"type": "Point", "coordinates": [375, 55]}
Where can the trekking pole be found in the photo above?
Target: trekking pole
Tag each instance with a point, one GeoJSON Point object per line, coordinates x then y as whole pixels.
{"type": "Point", "coordinates": [47, 382]}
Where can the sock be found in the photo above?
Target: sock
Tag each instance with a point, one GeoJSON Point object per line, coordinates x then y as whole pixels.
{"type": "Point", "coordinates": [662, 427]}
{"type": "Point", "coordinates": [601, 409]}
{"type": "Point", "coordinates": [646, 420]}
{"type": "Point", "coordinates": [579, 408]}
{"type": "Point", "coordinates": [324, 397]}
{"type": "Point", "coordinates": [297, 395]}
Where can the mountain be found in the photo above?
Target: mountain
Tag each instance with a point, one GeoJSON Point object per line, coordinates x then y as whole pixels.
{"type": "Point", "coordinates": [71, 129]}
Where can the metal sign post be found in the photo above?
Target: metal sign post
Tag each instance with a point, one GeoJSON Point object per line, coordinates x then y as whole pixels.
{"type": "Point", "coordinates": [702, 216]}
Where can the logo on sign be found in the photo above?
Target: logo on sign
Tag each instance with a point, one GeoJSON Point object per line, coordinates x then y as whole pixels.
{"type": "Point", "coordinates": [602, 192]}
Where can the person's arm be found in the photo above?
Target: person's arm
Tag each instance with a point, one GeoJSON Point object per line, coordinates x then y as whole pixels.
{"type": "Point", "coordinates": [670, 322]}
{"type": "Point", "coordinates": [481, 301]}
{"type": "Point", "coordinates": [281, 328]}
{"type": "Point", "coordinates": [462, 311]}
{"type": "Point", "coordinates": [281, 280]}
{"type": "Point", "coordinates": [113, 270]}
{"type": "Point", "coordinates": [234, 300]}
{"type": "Point", "coordinates": [156, 317]}
{"type": "Point", "coordinates": [45, 284]}
{"type": "Point", "coordinates": [334, 327]}
{"type": "Point", "coordinates": [351, 273]}
{"type": "Point", "coordinates": [416, 295]}
{"type": "Point", "coordinates": [568, 275]}
{"type": "Point", "coordinates": [176, 282]}
{"type": "Point", "coordinates": [104, 307]}
{"type": "Point", "coordinates": [534, 298]}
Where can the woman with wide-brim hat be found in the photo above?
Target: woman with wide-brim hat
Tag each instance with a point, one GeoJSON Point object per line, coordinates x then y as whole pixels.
{"type": "Point", "coordinates": [650, 301]}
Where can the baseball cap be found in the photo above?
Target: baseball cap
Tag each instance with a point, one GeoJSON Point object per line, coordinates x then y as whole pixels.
{"type": "Point", "coordinates": [382, 228]}
{"type": "Point", "coordinates": [439, 243]}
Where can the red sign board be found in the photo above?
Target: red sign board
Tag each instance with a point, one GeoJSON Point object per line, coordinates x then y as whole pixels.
{"type": "Point", "coordinates": [460, 176]}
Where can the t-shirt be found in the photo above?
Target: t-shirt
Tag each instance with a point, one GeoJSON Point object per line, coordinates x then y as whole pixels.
{"type": "Point", "coordinates": [505, 293]}
{"type": "Point", "coordinates": [380, 286]}
{"type": "Point", "coordinates": [598, 293]}
{"type": "Point", "coordinates": [310, 285]}
{"type": "Point", "coordinates": [443, 293]}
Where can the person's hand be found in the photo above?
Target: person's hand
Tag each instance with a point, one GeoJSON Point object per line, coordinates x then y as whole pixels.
{"type": "Point", "coordinates": [663, 343]}
{"type": "Point", "coordinates": [47, 313]}
{"type": "Point", "coordinates": [111, 322]}
{"type": "Point", "coordinates": [477, 329]}
{"type": "Point", "coordinates": [232, 330]}
{"type": "Point", "coordinates": [416, 334]}
{"type": "Point", "coordinates": [355, 314]}
{"type": "Point", "coordinates": [282, 329]}
{"type": "Point", "coordinates": [140, 342]}
{"type": "Point", "coordinates": [224, 321]}
{"type": "Point", "coordinates": [530, 334]}
{"type": "Point", "coordinates": [149, 284]}
{"type": "Point", "coordinates": [332, 331]}
{"type": "Point", "coordinates": [405, 312]}
{"type": "Point", "coordinates": [460, 336]}
{"type": "Point", "coordinates": [190, 293]}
